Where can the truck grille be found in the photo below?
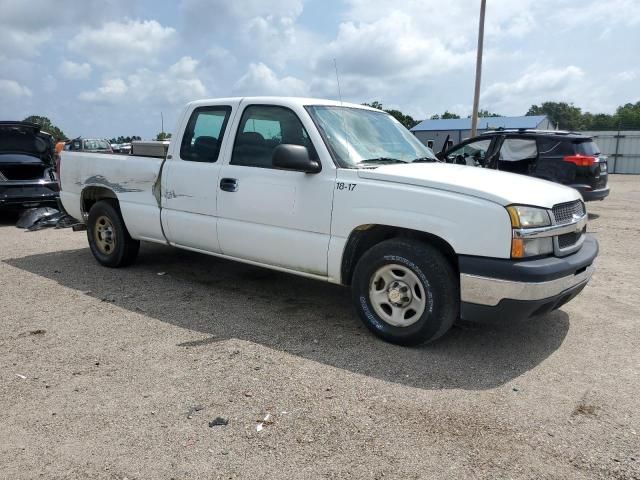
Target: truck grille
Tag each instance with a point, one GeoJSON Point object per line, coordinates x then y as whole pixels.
{"type": "Point", "coordinates": [568, 239]}
{"type": "Point", "coordinates": [564, 212]}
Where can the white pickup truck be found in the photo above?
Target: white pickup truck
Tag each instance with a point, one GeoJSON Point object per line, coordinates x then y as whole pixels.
{"type": "Point", "coordinates": [341, 193]}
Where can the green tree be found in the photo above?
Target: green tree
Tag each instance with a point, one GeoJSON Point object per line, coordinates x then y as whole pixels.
{"type": "Point", "coordinates": [46, 126]}
{"type": "Point", "coordinates": [163, 136]}
{"type": "Point", "coordinates": [487, 114]}
{"type": "Point", "coordinates": [374, 104]}
{"type": "Point", "coordinates": [445, 116]}
{"type": "Point", "coordinates": [407, 120]}
{"type": "Point", "coordinates": [565, 116]}
{"type": "Point", "coordinates": [126, 139]}
{"type": "Point", "coordinates": [569, 117]}
{"type": "Point", "coordinates": [628, 116]}
{"type": "Point", "coordinates": [598, 121]}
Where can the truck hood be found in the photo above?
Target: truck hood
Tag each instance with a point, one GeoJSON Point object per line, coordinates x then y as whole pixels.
{"type": "Point", "coordinates": [499, 187]}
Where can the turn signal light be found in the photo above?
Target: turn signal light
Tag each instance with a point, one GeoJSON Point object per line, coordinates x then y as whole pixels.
{"type": "Point", "coordinates": [517, 248]}
{"type": "Point", "coordinates": [580, 160]}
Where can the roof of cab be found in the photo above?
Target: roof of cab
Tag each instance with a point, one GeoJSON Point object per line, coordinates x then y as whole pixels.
{"type": "Point", "coordinates": [285, 101]}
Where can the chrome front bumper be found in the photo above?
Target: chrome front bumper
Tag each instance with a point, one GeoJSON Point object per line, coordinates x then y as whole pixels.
{"type": "Point", "coordinates": [491, 291]}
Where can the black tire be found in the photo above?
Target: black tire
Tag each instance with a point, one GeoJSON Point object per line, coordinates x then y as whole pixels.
{"type": "Point", "coordinates": [431, 269]}
{"type": "Point", "coordinates": [123, 249]}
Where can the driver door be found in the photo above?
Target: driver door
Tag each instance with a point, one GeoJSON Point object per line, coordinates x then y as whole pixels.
{"type": "Point", "coordinates": [473, 153]}
{"type": "Point", "coordinates": [271, 216]}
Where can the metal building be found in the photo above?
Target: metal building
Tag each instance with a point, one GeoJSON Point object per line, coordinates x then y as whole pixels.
{"type": "Point", "coordinates": [622, 149]}
{"type": "Point", "coordinates": [434, 132]}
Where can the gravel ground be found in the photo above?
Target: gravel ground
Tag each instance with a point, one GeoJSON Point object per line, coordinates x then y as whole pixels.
{"type": "Point", "coordinates": [113, 374]}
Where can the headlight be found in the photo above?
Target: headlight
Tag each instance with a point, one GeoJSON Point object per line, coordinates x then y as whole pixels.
{"type": "Point", "coordinates": [528, 217]}
{"type": "Point", "coordinates": [531, 247]}
{"type": "Point", "coordinates": [523, 217]}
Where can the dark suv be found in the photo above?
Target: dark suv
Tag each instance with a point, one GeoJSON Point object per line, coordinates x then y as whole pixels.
{"type": "Point", "coordinates": [563, 157]}
{"type": "Point", "coordinates": [27, 157]}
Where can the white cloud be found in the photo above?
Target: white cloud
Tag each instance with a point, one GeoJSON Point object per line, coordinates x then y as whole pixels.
{"type": "Point", "coordinates": [10, 89]}
{"type": "Point", "coordinates": [38, 14]}
{"type": "Point", "coordinates": [75, 71]}
{"type": "Point", "coordinates": [121, 43]}
{"type": "Point", "coordinates": [178, 84]}
{"type": "Point", "coordinates": [27, 25]}
{"type": "Point", "coordinates": [257, 30]}
{"type": "Point", "coordinates": [224, 13]}
{"type": "Point", "coordinates": [393, 46]}
{"type": "Point", "coordinates": [415, 55]}
{"type": "Point", "coordinates": [535, 85]}
{"type": "Point", "coordinates": [17, 43]}
{"type": "Point", "coordinates": [606, 14]}
{"type": "Point", "coordinates": [49, 83]}
{"type": "Point", "coordinates": [273, 38]}
{"type": "Point", "coordinates": [112, 90]}
{"type": "Point", "coordinates": [261, 80]}
{"type": "Point", "coordinates": [454, 23]}
{"type": "Point", "coordinates": [219, 57]}
{"type": "Point", "coordinates": [627, 75]}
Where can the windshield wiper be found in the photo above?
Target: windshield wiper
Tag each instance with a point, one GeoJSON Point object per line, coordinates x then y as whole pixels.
{"type": "Point", "coordinates": [424, 160]}
{"type": "Point", "coordinates": [380, 161]}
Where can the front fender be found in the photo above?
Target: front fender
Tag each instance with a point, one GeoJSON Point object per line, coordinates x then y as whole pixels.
{"type": "Point", "coordinates": [471, 225]}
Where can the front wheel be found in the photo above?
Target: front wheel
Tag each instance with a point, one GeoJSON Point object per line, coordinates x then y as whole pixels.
{"type": "Point", "coordinates": [406, 291]}
{"type": "Point", "coordinates": [108, 237]}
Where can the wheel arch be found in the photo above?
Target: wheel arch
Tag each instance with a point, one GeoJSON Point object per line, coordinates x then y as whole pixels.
{"type": "Point", "coordinates": [92, 194]}
{"type": "Point", "coordinates": [364, 237]}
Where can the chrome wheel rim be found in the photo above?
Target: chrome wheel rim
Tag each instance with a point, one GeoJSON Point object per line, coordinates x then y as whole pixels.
{"type": "Point", "coordinates": [104, 235]}
{"type": "Point", "coordinates": [397, 295]}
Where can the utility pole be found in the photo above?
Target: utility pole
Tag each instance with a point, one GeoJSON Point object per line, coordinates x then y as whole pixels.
{"type": "Point", "coordinates": [476, 93]}
{"type": "Point", "coordinates": [162, 122]}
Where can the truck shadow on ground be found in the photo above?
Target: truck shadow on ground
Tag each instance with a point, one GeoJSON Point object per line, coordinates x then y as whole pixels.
{"type": "Point", "coordinates": [310, 319]}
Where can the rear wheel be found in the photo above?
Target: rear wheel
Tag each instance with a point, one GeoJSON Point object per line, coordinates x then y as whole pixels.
{"type": "Point", "coordinates": [406, 292]}
{"type": "Point", "coordinates": [108, 237]}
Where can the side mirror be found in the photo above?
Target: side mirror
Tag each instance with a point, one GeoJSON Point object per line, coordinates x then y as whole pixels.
{"type": "Point", "coordinates": [294, 157]}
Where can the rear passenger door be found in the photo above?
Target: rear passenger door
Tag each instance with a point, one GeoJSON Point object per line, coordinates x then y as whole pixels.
{"type": "Point", "coordinates": [550, 165]}
{"type": "Point", "coordinates": [518, 155]}
{"type": "Point", "coordinates": [190, 178]}
{"type": "Point", "coordinates": [271, 216]}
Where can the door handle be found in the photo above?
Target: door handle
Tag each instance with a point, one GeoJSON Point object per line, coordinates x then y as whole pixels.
{"type": "Point", "coordinates": [229, 184]}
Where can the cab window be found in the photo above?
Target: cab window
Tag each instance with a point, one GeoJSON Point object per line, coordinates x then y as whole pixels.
{"type": "Point", "coordinates": [203, 136]}
{"type": "Point", "coordinates": [264, 127]}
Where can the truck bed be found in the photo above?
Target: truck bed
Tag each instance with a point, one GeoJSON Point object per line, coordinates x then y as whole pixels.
{"type": "Point", "coordinates": [134, 179]}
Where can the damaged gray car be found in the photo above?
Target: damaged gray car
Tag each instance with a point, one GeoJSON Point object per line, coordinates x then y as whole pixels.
{"type": "Point", "coordinates": [27, 171]}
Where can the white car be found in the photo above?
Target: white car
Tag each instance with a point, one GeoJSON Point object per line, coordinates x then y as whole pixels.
{"type": "Point", "coordinates": [341, 193]}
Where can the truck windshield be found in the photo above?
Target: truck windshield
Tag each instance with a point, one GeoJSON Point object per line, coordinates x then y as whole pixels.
{"type": "Point", "coordinates": [360, 138]}
{"type": "Point", "coordinates": [96, 144]}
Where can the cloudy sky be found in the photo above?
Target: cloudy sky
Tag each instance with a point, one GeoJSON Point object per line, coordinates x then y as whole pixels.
{"type": "Point", "coordinates": [109, 67]}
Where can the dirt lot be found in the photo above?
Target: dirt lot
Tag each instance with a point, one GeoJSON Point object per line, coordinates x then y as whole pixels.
{"type": "Point", "coordinates": [117, 373]}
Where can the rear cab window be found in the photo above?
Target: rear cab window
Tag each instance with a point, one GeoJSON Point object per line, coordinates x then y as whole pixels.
{"type": "Point", "coordinates": [204, 133]}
